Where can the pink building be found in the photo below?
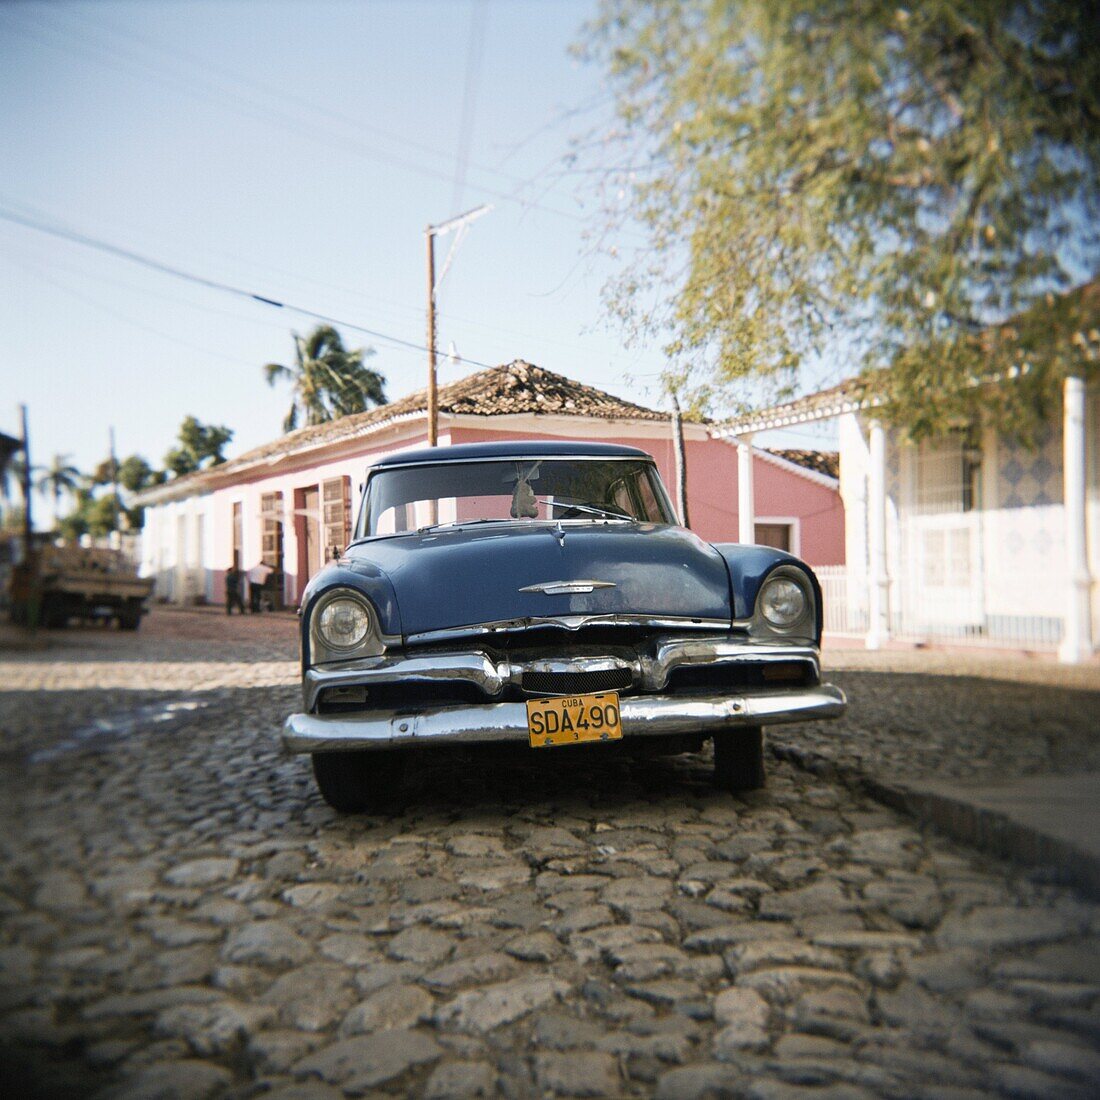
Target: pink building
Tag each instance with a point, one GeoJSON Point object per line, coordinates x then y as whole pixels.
{"type": "Point", "coordinates": [291, 503]}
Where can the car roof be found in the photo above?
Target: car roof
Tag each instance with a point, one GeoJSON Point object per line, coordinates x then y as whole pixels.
{"type": "Point", "coordinates": [511, 448]}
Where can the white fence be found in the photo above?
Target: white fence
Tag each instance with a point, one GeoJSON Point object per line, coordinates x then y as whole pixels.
{"type": "Point", "coordinates": [919, 614]}
{"type": "Point", "coordinates": [1028, 632]}
{"type": "Point", "coordinates": [845, 611]}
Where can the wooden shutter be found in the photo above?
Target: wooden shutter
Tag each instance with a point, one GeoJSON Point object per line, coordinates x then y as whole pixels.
{"type": "Point", "coordinates": [238, 533]}
{"type": "Point", "coordinates": [336, 515]}
{"type": "Point", "coordinates": [271, 510]}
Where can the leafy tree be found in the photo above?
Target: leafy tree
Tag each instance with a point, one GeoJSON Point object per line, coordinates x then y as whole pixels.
{"type": "Point", "coordinates": [11, 479]}
{"type": "Point", "coordinates": [101, 514]}
{"type": "Point", "coordinates": [96, 513]}
{"type": "Point", "coordinates": [12, 520]}
{"type": "Point", "coordinates": [329, 380]}
{"type": "Point", "coordinates": [59, 479]}
{"type": "Point", "coordinates": [135, 474]}
{"type": "Point", "coordinates": [75, 523]}
{"type": "Point", "coordinates": [886, 180]}
{"type": "Point", "coordinates": [12, 475]}
{"type": "Point", "coordinates": [98, 516]}
{"type": "Point", "coordinates": [199, 445]}
{"type": "Point", "coordinates": [103, 473]}
{"type": "Point", "coordinates": [180, 461]}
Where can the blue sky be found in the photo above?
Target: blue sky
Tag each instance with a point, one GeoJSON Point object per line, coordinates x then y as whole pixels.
{"type": "Point", "coordinates": [297, 151]}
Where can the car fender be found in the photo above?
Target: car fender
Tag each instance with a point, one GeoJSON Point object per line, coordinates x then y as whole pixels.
{"type": "Point", "coordinates": [366, 578]}
{"type": "Point", "coordinates": [750, 566]}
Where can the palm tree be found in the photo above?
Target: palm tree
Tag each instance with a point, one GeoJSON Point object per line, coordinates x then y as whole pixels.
{"type": "Point", "coordinates": [59, 478]}
{"type": "Point", "coordinates": [9, 475]}
{"type": "Point", "coordinates": [329, 380]}
{"type": "Point", "coordinates": [12, 474]}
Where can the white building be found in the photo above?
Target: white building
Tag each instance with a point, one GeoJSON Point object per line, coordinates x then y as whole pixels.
{"type": "Point", "coordinates": [972, 537]}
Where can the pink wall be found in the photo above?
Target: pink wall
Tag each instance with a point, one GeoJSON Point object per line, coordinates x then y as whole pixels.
{"type": "Point", "coordinates": [818, 508]}
{"type": "Point", "coordinates": [781, 494]}
{"type": "Point", "coordinates": [712, 491]}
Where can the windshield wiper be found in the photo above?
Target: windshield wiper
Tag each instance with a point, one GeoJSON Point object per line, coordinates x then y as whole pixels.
{"type": "Point", "coordinates": [453, 523]}
{"type": "Point", "coordinates": [589, 509]}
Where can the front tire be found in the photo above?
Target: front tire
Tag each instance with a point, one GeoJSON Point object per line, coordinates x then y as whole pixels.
{"type": "Point", "coordinates": [739, 759]}
{"type": "Point", "coordinates": [360, 782]}
{"type": "Point", "coordinates": [53, 613]}
{"type": "Point", "coordinates": [129, 618]}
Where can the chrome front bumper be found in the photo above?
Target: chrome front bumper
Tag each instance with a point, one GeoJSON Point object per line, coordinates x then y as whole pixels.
{"type": "Point", "coordinates": [650, 668]}
{"type": "Point", "coordinates": [642, 716]}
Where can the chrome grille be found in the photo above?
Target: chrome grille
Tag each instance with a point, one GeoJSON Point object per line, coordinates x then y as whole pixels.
{"type": "Point", "coordinates": [576, 683]}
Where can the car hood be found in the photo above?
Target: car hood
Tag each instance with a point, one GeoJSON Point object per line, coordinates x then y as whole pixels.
{"type": "Point", "coordinates": [465, 576]}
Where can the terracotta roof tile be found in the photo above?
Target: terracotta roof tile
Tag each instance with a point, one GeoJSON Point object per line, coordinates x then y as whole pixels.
{"type": "Point", "coordinates": [821, 462]}
{"type": "Point", "coordinates": [514, 388]}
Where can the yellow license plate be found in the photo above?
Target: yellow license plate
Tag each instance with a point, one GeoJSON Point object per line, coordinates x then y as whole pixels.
{"type": "Point", "coordinates": [571, 720]}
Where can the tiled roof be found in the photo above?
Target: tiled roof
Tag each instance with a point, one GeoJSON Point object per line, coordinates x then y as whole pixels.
{"type": "Point", "coordinates": [515, 388]}
{"type": "Point", "coordinates": [522, 387]}
{"type": "Point", "coordinates": [821, 462]}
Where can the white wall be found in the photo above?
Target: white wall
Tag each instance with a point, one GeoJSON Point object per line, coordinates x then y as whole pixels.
{"type": "Point", "coordinates": [1010, 550]}
{"type": "Point", "coordinates": [353, 465]}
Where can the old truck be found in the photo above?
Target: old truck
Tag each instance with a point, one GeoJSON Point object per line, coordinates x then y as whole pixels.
{"type": "Point", "coordinates": [78, 582]}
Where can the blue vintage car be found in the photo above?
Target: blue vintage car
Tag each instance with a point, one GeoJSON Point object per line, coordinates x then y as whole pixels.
{"type": "Point", "coordinates": [543, 593]}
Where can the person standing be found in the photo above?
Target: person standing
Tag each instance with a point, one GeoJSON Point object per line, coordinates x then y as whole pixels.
{"type": "Point", "coordinates": [233, 590]}
{"type": "Point", "coordinates": [257, 585]}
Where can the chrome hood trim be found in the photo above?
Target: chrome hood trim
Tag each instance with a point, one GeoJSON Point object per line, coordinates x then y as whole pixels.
{"type": "Point", "coordinates": [567, 622]}
{"type": "Point", "coordinates": [567, 588]}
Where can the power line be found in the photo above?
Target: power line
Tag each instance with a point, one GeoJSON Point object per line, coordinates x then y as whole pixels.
{"type": "Point", "coordinates": [264, 113]}
{"type": "Point", "coordinates": [124, 318]}
{"type": "Point", "coordinates": [474, 51]}
{"type": "Point", "coordinates": [389, 305]}
{"type": "Point", "coordinates": [118, 251]}
{"type": "Point", "coordinates": [493, 330]}
{"type": "Point", "coordinates": [194, 61]}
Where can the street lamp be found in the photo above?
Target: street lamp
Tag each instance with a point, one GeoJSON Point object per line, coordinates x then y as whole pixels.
{"type": "Point", "coordinates": [460, 223]}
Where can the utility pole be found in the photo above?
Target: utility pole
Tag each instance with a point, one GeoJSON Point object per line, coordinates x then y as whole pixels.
{"type": "Point", "coordinates": [431, 232]}
{"type": "Point", "coordinates": [433, 400]}
{"type": "Point", "coordinates": [681, 460]}
{"type": "Point", "coordinates": [30, 565]}
{"type": "Point", "coordinates": [28, 521]}
{"type": "Point", "coordinates": [114, 478]}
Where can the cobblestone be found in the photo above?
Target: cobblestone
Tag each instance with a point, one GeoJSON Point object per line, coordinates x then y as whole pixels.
{"type": "Point", "coordinates": [180, 914]}
{"type": "Point", "coordinates": [955, 716]}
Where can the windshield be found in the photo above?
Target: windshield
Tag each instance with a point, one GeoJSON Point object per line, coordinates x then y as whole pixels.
{"type": "Point", "coordinates": [599, 490]}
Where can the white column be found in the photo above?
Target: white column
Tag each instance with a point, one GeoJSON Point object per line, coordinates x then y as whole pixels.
{"type": "Point", "coordinates": [878, 633]}
{"type": "Point", "coordinates": [1077, 633]}
{"type": "Point", "coordinates": [746, 502]}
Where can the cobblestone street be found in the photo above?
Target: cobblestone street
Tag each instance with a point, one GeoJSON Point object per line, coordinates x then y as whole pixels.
{"type": "Point", "coordinates": [183, 917]}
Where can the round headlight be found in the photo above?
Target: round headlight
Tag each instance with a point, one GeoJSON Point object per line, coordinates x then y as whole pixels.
{"type": "Point", "coordinates": [782, 602]}
{"type": "Point", "coordinates": [344, 623]}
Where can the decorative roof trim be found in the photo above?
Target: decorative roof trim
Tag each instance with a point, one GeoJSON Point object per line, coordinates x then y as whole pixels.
{"type": "Point", "coordinates": [817, 406]}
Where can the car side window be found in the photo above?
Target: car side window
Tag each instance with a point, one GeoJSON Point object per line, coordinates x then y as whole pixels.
{"type": "Point", "coordinates": [650, 505]}
{"type": "Point", "coordinates": [621, 499]}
